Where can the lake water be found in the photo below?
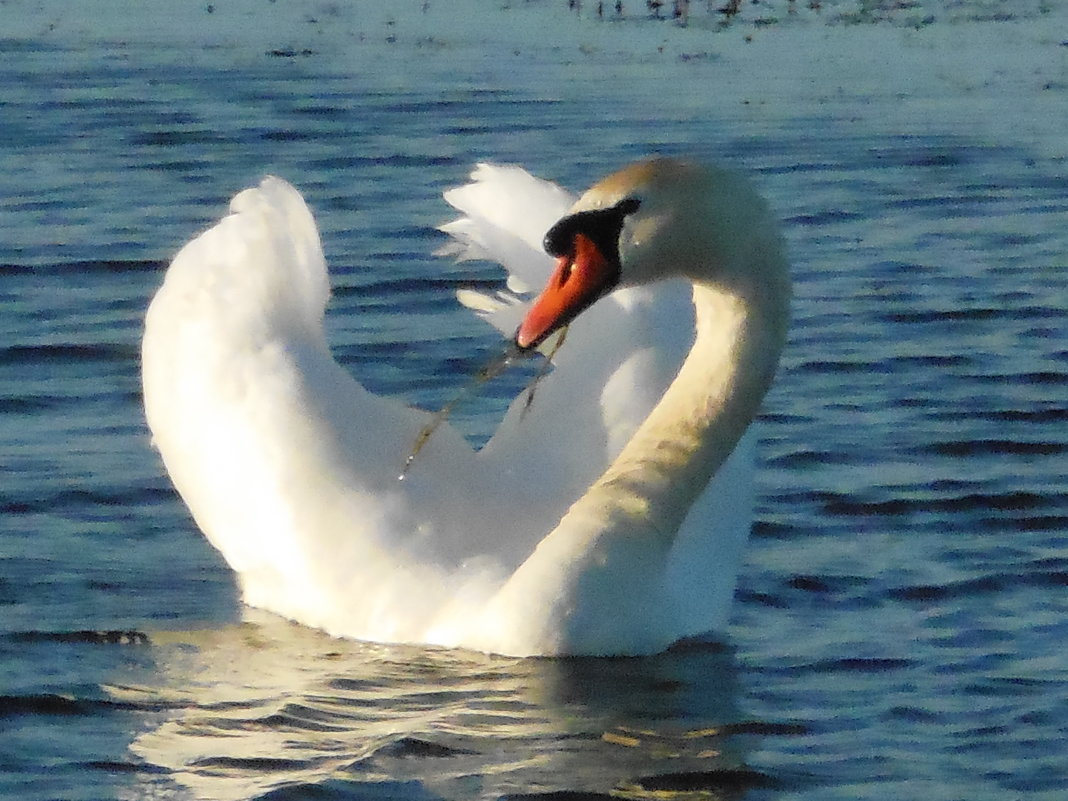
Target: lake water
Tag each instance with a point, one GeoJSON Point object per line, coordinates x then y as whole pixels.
{"type": "Point", "coordinates": [901, 620]}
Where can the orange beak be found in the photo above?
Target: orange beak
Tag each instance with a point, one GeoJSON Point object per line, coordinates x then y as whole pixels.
{"type": "Point", "coordinates": [580, 278]}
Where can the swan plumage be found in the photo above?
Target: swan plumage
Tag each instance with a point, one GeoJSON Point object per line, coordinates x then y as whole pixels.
{"type": "Point", "coordinates": [528, 545]}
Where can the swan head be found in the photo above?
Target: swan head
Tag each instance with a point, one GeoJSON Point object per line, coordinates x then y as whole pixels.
{"type": "Point", "coordinates": [654, 220]}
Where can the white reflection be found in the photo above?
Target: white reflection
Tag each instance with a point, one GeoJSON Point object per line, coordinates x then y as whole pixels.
{"type": "Point", "coordinates": [253, 707]}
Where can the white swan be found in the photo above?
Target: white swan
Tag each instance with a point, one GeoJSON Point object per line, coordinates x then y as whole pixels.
{"type": "Point", "coordinates": [589, 525]}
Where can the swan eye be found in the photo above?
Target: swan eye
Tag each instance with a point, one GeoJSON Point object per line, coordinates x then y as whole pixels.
{"type": "Point", "coordinates": [558, 240]}
{"type": "Point", "coordinates": [602, 226]}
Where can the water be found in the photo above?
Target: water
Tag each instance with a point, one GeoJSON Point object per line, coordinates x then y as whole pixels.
{"type": "Point", "coordinates": [900, 622]}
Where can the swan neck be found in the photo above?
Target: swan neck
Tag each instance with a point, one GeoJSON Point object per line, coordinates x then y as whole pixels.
{"type": "Point", "coordinates": [702, 415]}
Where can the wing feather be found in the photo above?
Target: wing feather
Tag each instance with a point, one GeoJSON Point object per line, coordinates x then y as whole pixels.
{"type": "Point", "coordinates": [617, 359]}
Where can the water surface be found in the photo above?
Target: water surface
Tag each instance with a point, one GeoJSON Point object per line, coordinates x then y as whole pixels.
{"type": "Point", "coordinates": [900, 621]}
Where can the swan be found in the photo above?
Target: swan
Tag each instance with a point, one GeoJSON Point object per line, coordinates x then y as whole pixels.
{"type": "Point", "coordinates": [607, 517]}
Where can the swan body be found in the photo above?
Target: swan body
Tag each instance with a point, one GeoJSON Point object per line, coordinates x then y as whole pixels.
{"type": "Point", "coordinates": [608, 518]}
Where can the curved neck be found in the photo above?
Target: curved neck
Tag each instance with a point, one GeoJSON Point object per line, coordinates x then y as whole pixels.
{"type": "Point", "coordinates": [666, 465]}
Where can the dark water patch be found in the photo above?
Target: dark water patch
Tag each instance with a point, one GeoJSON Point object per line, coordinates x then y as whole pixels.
{"type": "Point", "coordinates": [76, 500]}
{"type": "Point", "coordinates": [30, 405]}
{"type": "Point", "coordinates": [974, 314]}
{"type": "Point", "coordinates": [505, 128]}
{"type": "Point", "coordinates": [289, 52]}
{"type": "Point", "coordinates": [343, 790]}
{"type": "Point", "coordinates": [14, 46]}
{"type": "Point", "coordinates": [828, 217]}
{"type": "Point", "coordinates": [865, 665]}
{"type": "Point", "coordinates": [42, 704]}
{"type": "Point", "coordinates": [748, 596]}
{"type": "Point", "coordinates": [832, 592]}
{"type": "Point", "coordinates": [810, 584]}
{"type": "Point", "coordinates": [251, 764]}
{"type": "Point", "coordinates": [809, 458]}
{"type": "Point", "coordinates": [122, 110]}
{"type": "Point", "coordinates": [561, 795]}
{"type": "Point", "coordinates": [1035, 523]}
{"type": "Point", "coordinates": [968, 588]}
{"type": "Point", "coordinates": [108, 637]}
{"type": "Point", "coordinates": [1040, 377]}
{"type": "Point", "coordinates": [290, 721]}
{"type": "Point", "coordinates": [1054, 563]}
{"type": "Point", "coordinates": [1011, 687]}
{"type": "Point", "coordinates": [288, 135]}
{"type": "Point", "coordinates": [68, 353]}
{"type": "Point", "coordinates": [36, 204]}
{"type": "Point", "coordinates": [912, 714]}
{"type": "Point", "coordinates": [399, 160]}
{"type": "Point", "coordinates": [835, 367]}
{"type": "Point", "coordinates": [763, 729]}
{"type": "Point", "coordinates": [1036, 416]}
{"type": "Point", "coordinates": [710, 644]}
{"type": "Point", "coordinates": [85, 267]}
{"type": "Point", "coordinates": [991, 447]}
{"type": "Point", "coordinates": [1043, 578]}
{"type": "Point", "coordinates": [945, 315]}
{"type": "Point", "coordinates": [55, 705]}
{"type": "Point", "coordinates": [853, 507]}
{"type": "Point", "coordinates": [178, 138]}
{"type": "Point", "coordinates": [340, 162]}
{"type": "Point", "coordinates": [768, 529]}
{"type": "Point", "coordinates": [354, 686]}
{"type": "Point", "coordinates": [859, 665]}
{"type": "Point", "coordinates": [184, 166]}
{"type": "Point", "coordinates": [435, 291]}
{"type": "Point", "coordinates": [120, 767]}
{"type": "Point", "coordinates": [418, 748]}
{"type": "Point", "coordinates": [1018, 501]}
{"type": "Point", "coordinates": [932, 360]}
{"type": "Point", "coordinates": [371, 353]}
{"type": "Point", "coordinates": [324, 110]}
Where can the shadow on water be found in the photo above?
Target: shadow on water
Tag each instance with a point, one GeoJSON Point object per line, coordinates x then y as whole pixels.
{"type": "Point", "coordinates": [268, 709]}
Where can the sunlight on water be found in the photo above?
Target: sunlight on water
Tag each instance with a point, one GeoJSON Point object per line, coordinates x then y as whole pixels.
{"type": "Point", "coordinates": [267, 704]}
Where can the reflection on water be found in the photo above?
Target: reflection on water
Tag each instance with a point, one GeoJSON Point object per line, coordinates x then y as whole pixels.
{"type": "Point", "coordinates": [264, 704]}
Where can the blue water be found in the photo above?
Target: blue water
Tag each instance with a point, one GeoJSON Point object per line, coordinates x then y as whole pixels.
{"type": "Point", "coordinates": [900, 623]}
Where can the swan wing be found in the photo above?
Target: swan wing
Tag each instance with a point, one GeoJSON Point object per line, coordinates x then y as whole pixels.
{"type": "Point", "coordinates": [287, 463]}
{"type": "Point", "coordinates": [616, 362]}
{"type": "Point", "coordinates": [506, 212]}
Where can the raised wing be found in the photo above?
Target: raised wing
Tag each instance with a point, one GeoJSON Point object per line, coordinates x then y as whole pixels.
{"type": "Point", "coordinates": [287, 463]}
{"type": "Point", "coordinates": [617, 359]}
